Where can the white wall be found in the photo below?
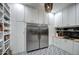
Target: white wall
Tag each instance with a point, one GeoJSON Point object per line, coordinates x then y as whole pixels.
{"type": "Point", "coordinates": [51, 28]}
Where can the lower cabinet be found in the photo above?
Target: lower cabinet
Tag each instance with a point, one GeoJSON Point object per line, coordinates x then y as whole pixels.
{"type": "Point", "coordinates": [76, 48]}
{"type": "Point", "coordinates": [64, 44]}
{"type": "Point", "coordinates": [57, 42]}
{"type": "Point", "coordinates": [20, 37]}
{"type": "Point", "coordinates": [67, 45]}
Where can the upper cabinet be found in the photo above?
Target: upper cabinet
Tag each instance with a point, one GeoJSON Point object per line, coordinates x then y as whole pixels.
{"type": "Point", "coordinates": [58, 19]}
{"type": "Point", "coordinates": [77, 14]}
{"type": "Point", "coordinates": [71, 15]}
{"type": "Point", "coordinates": [41, 17]}
{"type": "Point", "coordinates": [17, 12]}
{"type": "Point", "coordinates": [35, 16]}
{"type": "Point", "coordinates": [65, 17]}
{"type": "Point", "coordinates": [28, 14]}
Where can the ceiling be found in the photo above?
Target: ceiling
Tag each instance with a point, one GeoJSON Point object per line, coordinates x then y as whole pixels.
{"type": "Point", "coordinates": [34, 5]}
{"type": "Point", "coordinates": [56, 6]}
{"type": "Point", "coordinates": [59, 6]}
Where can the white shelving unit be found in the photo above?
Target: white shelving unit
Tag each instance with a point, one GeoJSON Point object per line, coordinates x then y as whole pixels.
{"type": "Point", "coordinates": [4, 28]}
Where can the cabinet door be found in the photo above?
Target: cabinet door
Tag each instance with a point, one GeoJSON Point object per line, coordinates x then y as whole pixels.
{"type": "Point", "coordinates": [68, 46]}
{"type": "Point", "coordinates": [20, 37]}
{"type": "Point", "coordinates": [65, 17]}
{"type": "Point", "coordinates": [71, 15]}
{"type": "Point", "coordinates": [64, 44]}
{"type": "Point", "coordinates": [29, 15]}
{"type": "Point", "coordinates": [36, 16]}
{"type": "Point", "coordinates": [77, 14]}
{"type": "Point", "coordinates": [58, 19]}
{"type": "Point", "coordinates": [76, 48]}
{"type": "Point", "coordinates": [41, 17]}
{"type": "Point", "coordinates": [17, 13]}
{"type": "Point", "coordinates": [57, 42]}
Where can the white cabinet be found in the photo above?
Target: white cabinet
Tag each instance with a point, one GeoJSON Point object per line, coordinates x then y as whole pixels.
{"type": "Point", "coordinates": [28, 14]}
{"type": "Point", "coordinates": [71, 15]}
{"type": "Point", "coordinates": [76, 48]}
{"type": "Point", "coordinates": [33, 15]}
{"type": "Point", "coordinates": [65, 17]}
{"type": "Point", "coordinates": [68, 46]}
{"type": "Point", "coordinates": [36, 16]}
{"type": "Point", "coordinates": [46, 18]}
{"type": "Point", "coordinates": [77, 14]}
{"type": "Point", "coordinates": [58, 19]}
{"type": "Point", "coordinates": [20, 37]}
{"type": "Point", "coordinates": [18, 13]}
{"type": "Point", "coordinates": [41, 17]}
{"type": "Point", "coordinates": [64, 44]}
{"type": "Point", "coordinates": [57, 42]}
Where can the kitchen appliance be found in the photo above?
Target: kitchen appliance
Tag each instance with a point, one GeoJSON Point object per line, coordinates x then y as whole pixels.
{"type": "Point", "coordinates": [37, 37]}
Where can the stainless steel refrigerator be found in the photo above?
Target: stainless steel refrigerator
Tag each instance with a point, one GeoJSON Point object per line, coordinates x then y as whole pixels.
{"type": "Point", "coordinates": [37, 37]}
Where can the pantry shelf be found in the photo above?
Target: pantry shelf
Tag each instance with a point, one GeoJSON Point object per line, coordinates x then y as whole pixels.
{"type": "Point", "coordinates": [4, 27]}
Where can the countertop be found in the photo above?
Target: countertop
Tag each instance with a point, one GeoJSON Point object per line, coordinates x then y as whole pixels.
{"type": "Point", "coordinates": [72, 39]}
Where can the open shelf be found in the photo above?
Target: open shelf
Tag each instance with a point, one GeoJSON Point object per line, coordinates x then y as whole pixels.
{"type": "Point", "coordinates": [4, 28]}
{"type": "Point", "coordinates": [1, 14]}
{"type": "Point", "coordinates": [6, 17]}
{"type": "Point", "coordinates": [7, 6]}
{"type": "Point", "coordinates": [5, 50]}
{"type": "Point", "coordinates": [1, 44]}
{"type": "Point", "coordinates": [1, 7]}
{"type": "Point", "coordinates": [1, 27]}
{"type": "Point", "coordinates": [6, 12]}
{"type": "Point", "coordinates": [6, 37]}
{"type": "Point", "coordinates": [1, 50]}
{"type": "Point", "coordinates": [68, 32]}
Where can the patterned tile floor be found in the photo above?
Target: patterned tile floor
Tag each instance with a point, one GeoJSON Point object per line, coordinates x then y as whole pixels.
{"type": "Point", "coordinates": [52, 50]}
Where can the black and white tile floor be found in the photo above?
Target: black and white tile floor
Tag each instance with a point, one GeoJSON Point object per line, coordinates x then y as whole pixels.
{"type": "Point", "coordinates": [52, 50]}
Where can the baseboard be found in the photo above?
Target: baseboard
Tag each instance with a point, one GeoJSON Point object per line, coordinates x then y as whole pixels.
{"type": "Point", "coordinates": [37, 49]}
{"type": "Point", "coordinates": [21, 53]}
